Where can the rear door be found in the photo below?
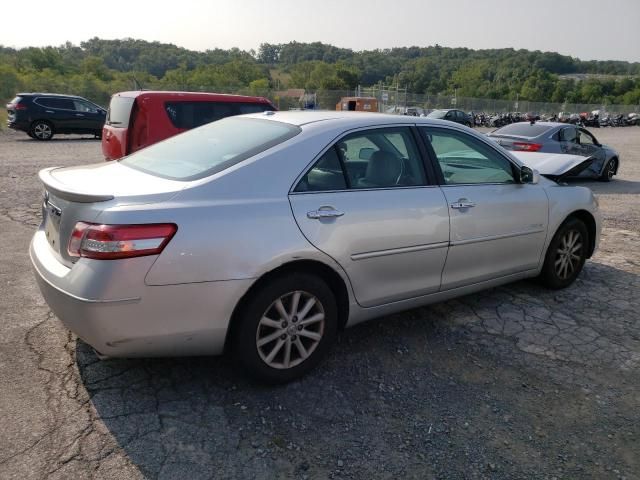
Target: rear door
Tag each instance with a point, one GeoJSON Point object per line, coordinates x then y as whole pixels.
{"type": "Point", "coordinates": [498, 226]}
{"type": "Point", "coordinates": [59, 111]}
{"type": "Point", "coordinates": [368, 204]}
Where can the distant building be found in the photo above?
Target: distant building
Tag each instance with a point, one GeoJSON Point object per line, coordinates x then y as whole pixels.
{"type": "Point", "coordinates": [358, 104]}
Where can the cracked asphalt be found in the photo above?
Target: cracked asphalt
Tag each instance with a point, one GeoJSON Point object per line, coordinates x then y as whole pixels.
{"type": "Point", "coordinates": [516, 382]}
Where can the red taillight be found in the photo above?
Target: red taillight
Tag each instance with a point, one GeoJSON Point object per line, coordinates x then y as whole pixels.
{"type": "Point", "coordinates": [17, 106]}
{"type": "Point", "coordinates": [527, 147]}
{"type": "Point", "coordinates": [111, 242]}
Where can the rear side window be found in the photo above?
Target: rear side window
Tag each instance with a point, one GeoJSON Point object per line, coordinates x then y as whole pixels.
{"type": "Point", "coordinates": [59, 103]}
{"type": "Point", "coordinates": [211, 149]}
{"type": "Point", "coordinates": [120, 111]}
{"type": "Point", "coordinates": [523, 129]}
{"type": "Point", "coordinates": [187, 115]}
{"type": "Point", "coordinates": [15, 100]}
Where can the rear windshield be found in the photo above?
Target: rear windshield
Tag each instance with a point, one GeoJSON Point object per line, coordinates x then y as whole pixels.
{"type": "Point", "coordinates": [438, 114]}
{"type": "Point", "coordinates": [210, 149]}
{"type": "Point", "coordinates": [523, 129]}
{"type": "Point", "coordinates": [193, 114]}
{"type": "Point", "coordinates": [15, 100]}
{"type": "Point", "coordinates": [119, 111]}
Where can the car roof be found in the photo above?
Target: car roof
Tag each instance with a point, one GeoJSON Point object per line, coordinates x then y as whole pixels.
{"type": "Point", "coordinates": [330, 119]}
{"type": "Point", "coordinates": [35, 94]}
{"type": "Point", "coordinates": [177, 95]}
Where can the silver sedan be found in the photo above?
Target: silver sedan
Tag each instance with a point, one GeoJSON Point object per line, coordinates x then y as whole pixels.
{"type": "Point", "coordinates": [553, 137]}
{"type": "Point", "coordinates": [264, 235]}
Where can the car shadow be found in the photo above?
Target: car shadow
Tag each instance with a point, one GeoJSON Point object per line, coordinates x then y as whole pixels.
{"type": "Point", "coordinates": [192, 417]}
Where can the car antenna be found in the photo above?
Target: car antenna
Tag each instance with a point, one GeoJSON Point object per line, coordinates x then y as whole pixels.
{"type": "Point", "coordinates": [136, 84]}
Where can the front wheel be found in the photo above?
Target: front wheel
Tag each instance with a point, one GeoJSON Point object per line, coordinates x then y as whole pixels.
{"type": "Point", "coordinates": [286, 328]}
{"type": "Point", "coordinates": [566, 255]}
{"type": "Point", "coordinates": [609, 171]}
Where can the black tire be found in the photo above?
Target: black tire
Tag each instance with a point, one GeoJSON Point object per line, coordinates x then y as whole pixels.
{"type": "Point", "coordinates": [262, 306]}
{"type": "Point", "coordinates": [30, 134]}
{"type": "Point", "coordinates": [98, 134]}
{"type": "Point", "coordinates": [608, 171]}
{"type": "Point", "coordinates": [563, 250]}
{"type": "Point", "coordinates": [42, 130]}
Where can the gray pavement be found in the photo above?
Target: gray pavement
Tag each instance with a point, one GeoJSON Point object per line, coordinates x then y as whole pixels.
{"type": "Point", "coordinates": [513, 382]}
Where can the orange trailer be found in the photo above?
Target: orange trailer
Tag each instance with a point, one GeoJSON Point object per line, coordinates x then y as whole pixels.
{"type": "Point", "coordinates": [358, 104]}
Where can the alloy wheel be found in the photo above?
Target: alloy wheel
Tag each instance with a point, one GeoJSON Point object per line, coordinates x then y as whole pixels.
{"type": "Point", "coordinates": [42, 131]}
{"type": "Point", "coordinates": [611, 169]}
{"type": "Point", "coordinates": [290, 329]}
{"type": "Point", "coordinates": [568, 254]}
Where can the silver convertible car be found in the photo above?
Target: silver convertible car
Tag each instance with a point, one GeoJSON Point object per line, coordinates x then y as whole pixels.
{"type": "Point", "coordinates": [554, 137]}
{"type": "Point", "coordinates": [264, 235]}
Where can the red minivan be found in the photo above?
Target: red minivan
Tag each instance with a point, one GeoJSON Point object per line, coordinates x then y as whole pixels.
{"type": "Point", "coordinates": [138, 119]}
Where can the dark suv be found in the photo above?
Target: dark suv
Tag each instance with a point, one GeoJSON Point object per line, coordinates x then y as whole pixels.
{"type": "Point", "coordinates": [41, 115]}
{"type": "Point", "coordinates": [452, 115]}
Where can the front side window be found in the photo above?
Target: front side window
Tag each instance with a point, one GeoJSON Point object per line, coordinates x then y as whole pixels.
{"type": "Point", "coordinates": [466, 160]}
{"type": "Point", "coordinates": [378, 158]}
{"type": "Point", "coordinates": [205, 151]}
{"type": "Point", "coordinates": [81, 106]}
{"type": "Point", "coordinates": [586, 138]}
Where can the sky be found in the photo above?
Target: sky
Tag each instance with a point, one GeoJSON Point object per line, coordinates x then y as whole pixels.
{"type": "Point", "coordinates": [587, 29]}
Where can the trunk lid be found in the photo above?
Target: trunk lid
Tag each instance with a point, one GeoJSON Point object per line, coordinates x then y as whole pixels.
{"type": "Point", "coordinates": [81, 194]}
{"type": "Point", "coordinates": [555, 166]}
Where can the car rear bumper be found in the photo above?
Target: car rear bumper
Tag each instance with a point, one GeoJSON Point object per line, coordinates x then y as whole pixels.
{"type": "Point", "coordinates": [135, 321]}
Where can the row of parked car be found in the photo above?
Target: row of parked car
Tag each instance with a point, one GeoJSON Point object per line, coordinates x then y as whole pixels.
{"type": "Point", "coordinates": [134, 119]}
{"type": "Point", "coordinates": [137, 119]}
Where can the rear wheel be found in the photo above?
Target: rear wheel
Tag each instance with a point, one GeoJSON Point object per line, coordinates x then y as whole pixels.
{"type": "Point", "coordinates": [609, 171]}
{"type": "Point", "coordinates": [42, 130]}
{"type": "Point", "coordinates": [566, 255]}
{"type": "Point", "coordinates": [286, 328]}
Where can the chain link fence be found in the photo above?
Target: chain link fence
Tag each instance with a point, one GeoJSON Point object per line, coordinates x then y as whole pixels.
{"type": "Point", "coordinates": [390, 100]}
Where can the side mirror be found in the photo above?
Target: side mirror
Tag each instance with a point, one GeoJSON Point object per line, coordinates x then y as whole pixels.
{"type": "Point", "coordinates": [529, 175]}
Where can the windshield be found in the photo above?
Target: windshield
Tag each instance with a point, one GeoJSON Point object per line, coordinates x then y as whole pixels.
{"type": "Point", "coordinates": [211, 148]}
{"type": "Point", "coordinates": [437, 114]}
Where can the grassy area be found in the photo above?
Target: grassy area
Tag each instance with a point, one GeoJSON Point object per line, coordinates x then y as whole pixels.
{"type": "Point", "coordinates": [3, 119]}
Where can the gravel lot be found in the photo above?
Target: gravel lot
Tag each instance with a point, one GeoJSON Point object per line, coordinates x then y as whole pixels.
{"type": "Point", "coordinates": [515, 382]}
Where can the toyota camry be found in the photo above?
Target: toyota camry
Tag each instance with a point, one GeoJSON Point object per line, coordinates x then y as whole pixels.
{"type": "Point", "coordinates": [264, 235]}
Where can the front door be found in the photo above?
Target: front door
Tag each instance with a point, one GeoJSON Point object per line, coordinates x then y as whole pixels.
{"type": "Point", "coordinates": [367, 203]}
{"type": "Point", "coordinates": [498, 226]}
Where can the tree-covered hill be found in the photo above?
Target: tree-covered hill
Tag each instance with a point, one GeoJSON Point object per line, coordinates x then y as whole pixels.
{"type": "Point", "coordinates": [96, 68]}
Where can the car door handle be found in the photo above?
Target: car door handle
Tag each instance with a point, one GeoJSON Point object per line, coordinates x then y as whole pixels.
{"type": "Point", "coordinates": [324, 212]}
{"type": "Point", "coordinates": [79, 115]}
{"type": "Point", "coordinates": [49, 111]}
{"type": "Point", "coordinates": [463, 203]}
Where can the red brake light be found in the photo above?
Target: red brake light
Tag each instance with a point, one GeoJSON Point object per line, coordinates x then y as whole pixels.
{"type": "Point", "coordinates": [111, 242]}
{"type": "Point", "coordinates": [18, 106]}
{"type": "Point", "coordinates": [527, 147]}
